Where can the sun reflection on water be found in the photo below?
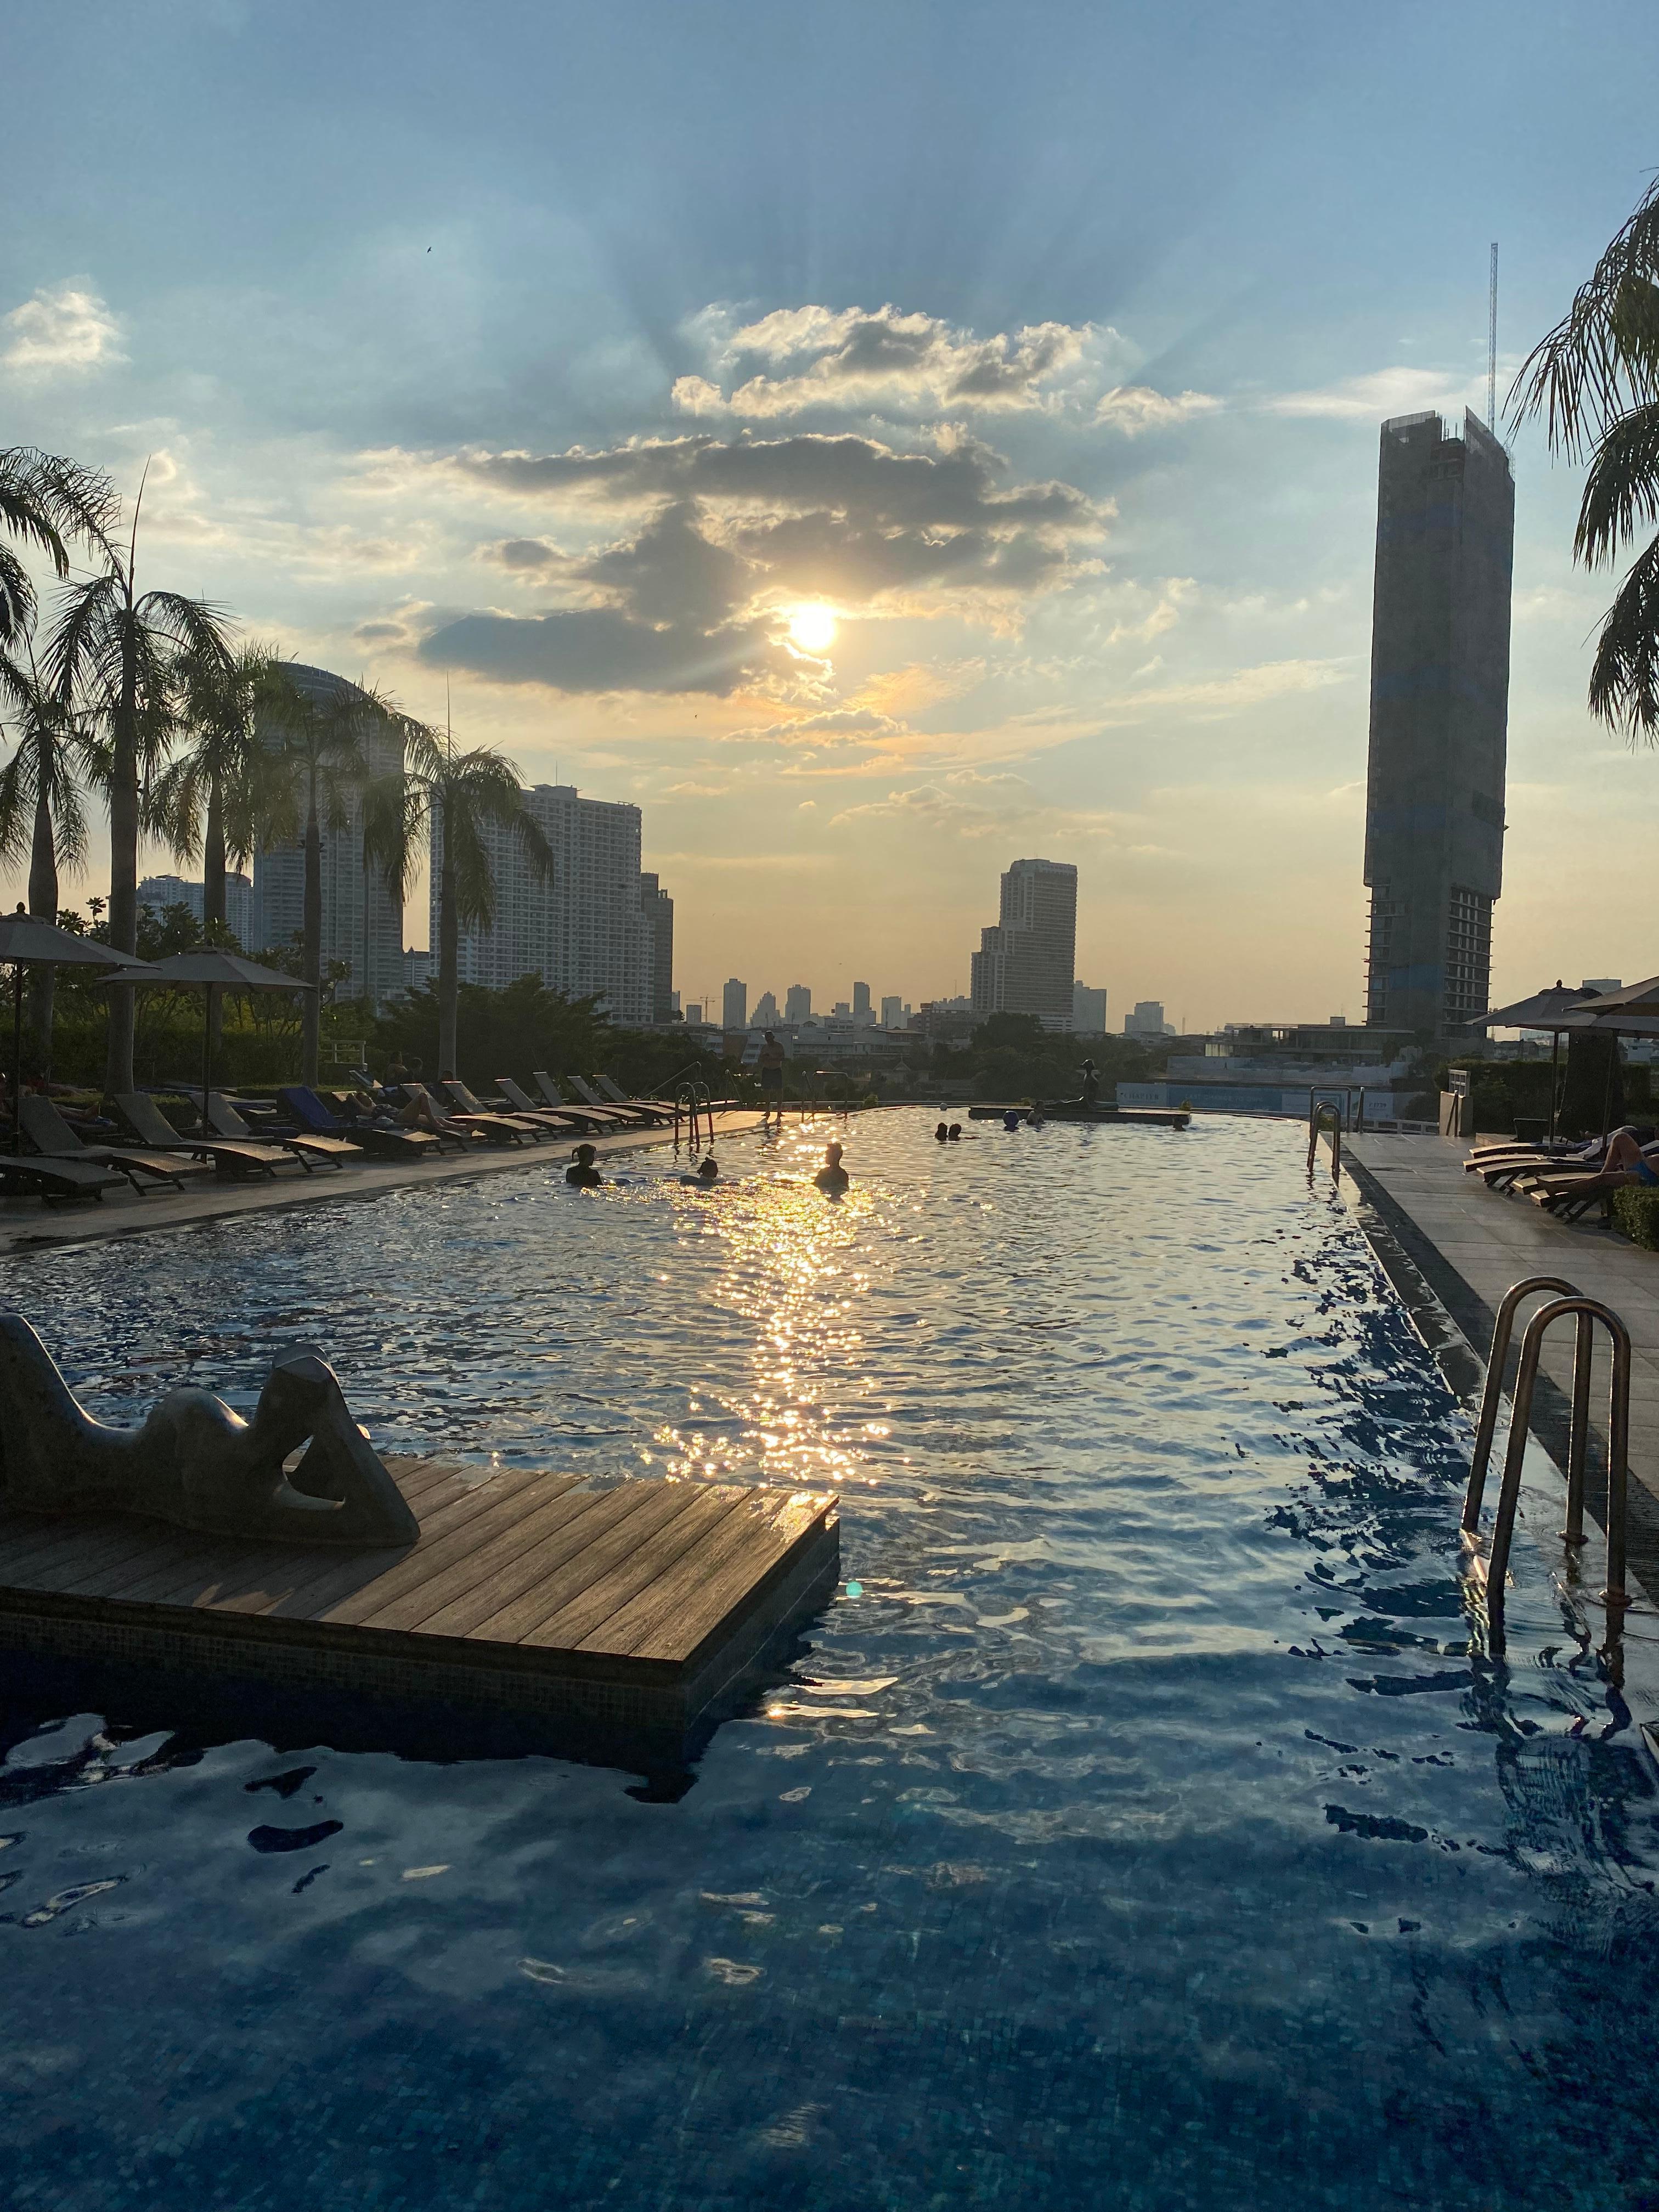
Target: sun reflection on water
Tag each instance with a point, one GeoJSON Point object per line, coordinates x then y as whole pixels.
{"type": "Point", "coordinates": [795, 1271]}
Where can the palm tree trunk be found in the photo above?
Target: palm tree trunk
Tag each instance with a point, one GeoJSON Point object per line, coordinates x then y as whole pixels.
{"type": "Point", "coordinates": [123, 859]}
{"type": "Point", "coordinates": [312, 944]}
{"type": "Point", "coordinates": [43, 901]}
{"type": "Point", "coordinates": [213, 902]}
{"type": "Point", "coordinates": [449, 989]}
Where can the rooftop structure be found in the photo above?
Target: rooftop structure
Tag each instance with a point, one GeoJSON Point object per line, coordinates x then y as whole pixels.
{"type": "Point", "coordinates": [1440, 678]}
{"type": "Point", "coordinates": [1025, 961]}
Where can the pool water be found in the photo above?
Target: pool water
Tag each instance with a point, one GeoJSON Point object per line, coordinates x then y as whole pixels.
{"type": "Point", "coordinates": [1134, 1830]}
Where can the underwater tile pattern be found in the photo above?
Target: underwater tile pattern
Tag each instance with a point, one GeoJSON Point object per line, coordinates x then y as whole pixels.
{"type": "Point", "coordinates": [1136, 1829]}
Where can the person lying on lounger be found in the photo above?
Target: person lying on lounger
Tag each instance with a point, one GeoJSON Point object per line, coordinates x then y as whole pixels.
{"type": "Point", "coordinates": [582, 1171]}
{"type": "Point", "coordinates": [1625, 1163]}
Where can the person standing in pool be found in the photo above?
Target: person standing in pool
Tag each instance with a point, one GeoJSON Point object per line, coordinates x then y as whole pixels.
{"type": "Point", "coordinates": [770, 1065]}
{"type": "Point", "coordinates": [832, 1176]}
{"type": "Point", "coordinates": [582, 1171]}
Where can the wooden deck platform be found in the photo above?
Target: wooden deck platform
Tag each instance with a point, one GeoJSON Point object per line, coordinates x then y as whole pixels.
{"type": "Point", "coordinates": [629, 1608]}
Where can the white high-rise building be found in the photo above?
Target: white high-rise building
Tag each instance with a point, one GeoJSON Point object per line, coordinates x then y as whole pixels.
{"type": "Point", "coordinates": [159, 892]}
{"type": "Point", "coordinates": [798, 1003]}
{"type": "Point", "coordinates": [734, 1005]}
{"type": "Point", "coordinates": [586, 928]}
{"type": "Point", "coordinates": [362, 922]}
{"type": "Point", "coordinates": [1147, 1020]}
{"type": "Point", "coordinates": [765, 1016]}
{"type": "Point", "coordinates": [1088, 1010]}
{"type": "Point", "coordinates": [1025, 963]}
{"type": "Point", "coordinates": [862, 1014]}
{"type": "Point", "coordinates": [894, 1013]}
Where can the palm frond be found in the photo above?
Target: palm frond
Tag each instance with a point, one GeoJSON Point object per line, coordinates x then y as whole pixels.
{"type": "Point", "coordinates": [1622, 490]}
{"type": "Point", "coordinates": [1602, 357]}
{"type": "Point", "coordinates": [1624, 687]}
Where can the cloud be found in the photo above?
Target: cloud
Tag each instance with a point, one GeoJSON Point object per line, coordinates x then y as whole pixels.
{"type": "Point", "coordinates": [1380, 392]}
{"type": "Point", "coordinates": [63, 330]}
{"type": "Point", "coordinates": [1134, 408]}
{"type": "Point", "coordinates": [860, 360]}
{"type": "Point", "coordinates": [1245, 687]}
{"type": "Point", "coordinates": [734, 532]}
{"type": "Point", "coordinates": [853, 724]}
{"type": "Point", "coordinates": [970, 804]}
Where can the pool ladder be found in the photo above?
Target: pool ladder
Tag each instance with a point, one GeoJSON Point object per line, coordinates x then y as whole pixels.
{"type": "Point", "coordinates": [692, 1101]}
{"type": "Point", "coordinates": [1588, 1311]}
{"type": "Point", "coordinates": [1325, 1117]}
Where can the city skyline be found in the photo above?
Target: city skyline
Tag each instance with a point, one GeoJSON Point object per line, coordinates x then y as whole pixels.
{"type": "Point", "coordinates": [857, 558]}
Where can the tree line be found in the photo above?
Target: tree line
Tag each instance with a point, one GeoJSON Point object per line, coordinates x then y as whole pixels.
{"type": "Point", "coordinates": [145, 701]}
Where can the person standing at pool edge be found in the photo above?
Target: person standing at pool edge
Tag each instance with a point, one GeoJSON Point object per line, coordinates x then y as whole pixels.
{"type": "Point", "coordinates": [832, 1176]}
{"type": "Point", "coordinates": [770, 1064]}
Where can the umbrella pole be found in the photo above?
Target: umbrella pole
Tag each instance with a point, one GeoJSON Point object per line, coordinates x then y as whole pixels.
{"type": "Point", "coordinates": [1555, 1081]}
{"type": "Point", "coordinates": [1607, 1088]}
{"type": "Point", "coordinates": [17, 1057]}
{"type": "Point", "coordinates": [207, 1060]}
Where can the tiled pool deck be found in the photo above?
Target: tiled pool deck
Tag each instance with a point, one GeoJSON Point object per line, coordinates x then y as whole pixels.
{"type": "Point", "coordinates": [1440, 1231]}
{"type": "Point", "coordinates": [28, 1225]}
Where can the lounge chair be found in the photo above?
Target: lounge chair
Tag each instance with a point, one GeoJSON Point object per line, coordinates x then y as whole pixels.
{"type": "Point", "coordinates": [562, 1120]}
{"type": "Point", "coordinates": [153, 1129]}
{"type": "Point", "coordinates": [494, 1128]}
{"type": "Point", "coordinates": [590, 1117]}
{"type": "Point", "coordinates": [51, 1135]}
{"type": "Point", "coordinates": [643, 1113]}
{"type": "Point", "coordinates": [225, 1121]}
{"type": "Point", "coordinates": [311, 1115]}
{"type": "Point", "coordinates": [604, 1088]}
{"type": "Point", "coordinates": [537, 1131]}
{"type": "Point", "coordinates": [57, 1183]}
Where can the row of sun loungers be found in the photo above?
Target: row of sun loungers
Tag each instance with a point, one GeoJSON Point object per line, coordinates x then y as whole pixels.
{"type": "Point", "coordinates": [1565, 1180]}
{"type": "Point", "coordinates": [65, 1167]}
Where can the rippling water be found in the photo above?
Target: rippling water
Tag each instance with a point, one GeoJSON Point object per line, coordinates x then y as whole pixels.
{"type": "Point", "coordinates": [1137, 1831]}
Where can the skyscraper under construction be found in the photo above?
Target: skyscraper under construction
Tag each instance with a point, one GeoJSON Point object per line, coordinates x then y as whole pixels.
{"type": "Point", "coordinates": [1440, 687]}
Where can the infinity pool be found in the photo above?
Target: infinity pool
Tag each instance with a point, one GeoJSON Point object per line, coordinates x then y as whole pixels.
{"type": "Point", "coordinates": [1134, 1832]}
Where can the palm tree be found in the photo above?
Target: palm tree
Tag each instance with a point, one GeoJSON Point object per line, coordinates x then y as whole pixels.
{"type": "Point", "coordinates": [209, 801]}
{"type": "Point", "coordinates": [1595, 379]}
{"type": "Point", "coordinates": [118, 655]}
{"type": "Point", "coordinates": [455, 799]}
{"type": "Point", "coordinates": [45, 501]}
{"type": "Point", "coordinates": [41, 809]}
{"type": "Point", "coordinates": [315, 732]}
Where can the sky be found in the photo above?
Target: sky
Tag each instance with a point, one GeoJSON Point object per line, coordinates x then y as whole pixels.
{"type": "Point", "coordinates": [881, 441]}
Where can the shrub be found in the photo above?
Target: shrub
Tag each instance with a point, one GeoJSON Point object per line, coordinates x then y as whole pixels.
{"type": "Point", "coordinates": [1636, 1213]}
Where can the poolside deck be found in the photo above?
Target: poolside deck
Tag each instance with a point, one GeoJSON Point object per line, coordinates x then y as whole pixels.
{"type": "Point", "coordinates": [27, 1225]}
{"type": "Point", "coordinates": [631, 1608]}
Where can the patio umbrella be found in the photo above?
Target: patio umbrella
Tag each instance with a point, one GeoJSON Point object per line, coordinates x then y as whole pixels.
{"type": "Point", "coordinates": [212, 970]}
{"type": "Point", "coordinates": [1630, 1013]}
{"type": "Point", "coordinates": [1548, 1009]}
{"type": "Point", "coordinates": [28, 941]}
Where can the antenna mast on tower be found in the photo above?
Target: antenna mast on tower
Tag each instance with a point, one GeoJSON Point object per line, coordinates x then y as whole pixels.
{"type": "Point", "coordinates": [1491, 346]}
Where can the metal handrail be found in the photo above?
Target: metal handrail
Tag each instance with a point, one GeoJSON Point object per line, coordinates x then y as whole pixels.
{"type": "Point", "coordinates": [1491, 1396]}
{"type": "Point", "coordinates": [1317, 1110]}
{"type": "Point", "coordinates": [693, 1099]}
{"type": "Point", "coordinates": [1589, 1310]}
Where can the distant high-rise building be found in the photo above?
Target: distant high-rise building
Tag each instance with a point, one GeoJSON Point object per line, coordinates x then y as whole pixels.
{"type": "Point", "coordinates": [362, 922]}
{"type": "Point", "coordinates": [159, 892]}
{"type": "Point", "coordinates": [1440, 685]}
{"type": "Point", "coordinates": [584, 929]}
{"type": "Point", "coordinates": [862, 1013]}
{"type": "Point", "coordinates": [1088, 1010]}
{"type": "Point", "coordinates": [734, 1005]}
{"type": "Point", "coordinates": [1024, 963]}
{"type": "Point", "coordinates": [797, 1004]}
{"type": "Point", "coordinates": [894, 1013]}
{"type": "Point", "coordinates": [765, 1016]}
{"type": "Point", "coordinates": [841, 1012]}
{"type": "Point", "coordinates": [694, 1014]}
{"type": "Point", "coordinates": [659, 911]}
{"type": "Point", "coordinates": [417, 967]}
{"type": "Point", "coordinates": [1147, 1020]}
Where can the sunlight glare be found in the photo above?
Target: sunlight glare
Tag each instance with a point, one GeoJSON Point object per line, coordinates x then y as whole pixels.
{"type": "Point", "coordinates": [813, 628]}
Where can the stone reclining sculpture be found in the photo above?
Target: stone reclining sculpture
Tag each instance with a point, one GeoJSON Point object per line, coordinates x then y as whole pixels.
{"type": "Point", "coordinates": [195, 1462]}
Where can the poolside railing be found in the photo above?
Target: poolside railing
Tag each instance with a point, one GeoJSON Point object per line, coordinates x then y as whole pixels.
{"type": "Point", "coordinates": [1587, 1312]}
{"type": "Point", "coordinates": [1324, 1114]}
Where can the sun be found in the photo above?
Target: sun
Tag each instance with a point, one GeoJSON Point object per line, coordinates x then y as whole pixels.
{"type": "Point", "coordinates": [814, 629]}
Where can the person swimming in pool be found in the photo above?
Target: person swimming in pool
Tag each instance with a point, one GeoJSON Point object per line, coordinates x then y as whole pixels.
{"type": "Point", "coordinates": [956, 1133]}
{"type": "Point", "coordinates": [832, 1176]}
{"type": "Point", "coordinates": [710, 1169]}
{"type": "Point", "coordinates": [1011, 1119]}
{"type": "Point", "coordinates": [582, 1171]}
{"type": "Point", "coordinates": [942, 1133]}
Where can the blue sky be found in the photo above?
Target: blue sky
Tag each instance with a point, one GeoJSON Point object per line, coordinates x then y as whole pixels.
{"type": "Point", "coordinates": [565, 356]}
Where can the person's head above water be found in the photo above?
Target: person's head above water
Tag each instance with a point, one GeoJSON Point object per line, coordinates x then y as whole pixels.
{"type": "Point", "coordinates": [956, 1133]}
{"type": "Point", "coordinates": [942, 1132]}
{"type": "Point", "coordinates": [583, 1156]}
{"type": "Point", "coordinates": [832, 1155]}
{"type": "Point", "coordinates": [710, 1168]}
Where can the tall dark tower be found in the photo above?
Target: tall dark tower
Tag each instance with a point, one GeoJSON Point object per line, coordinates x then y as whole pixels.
{"type": "Point", "coordinates": [1440, 692]}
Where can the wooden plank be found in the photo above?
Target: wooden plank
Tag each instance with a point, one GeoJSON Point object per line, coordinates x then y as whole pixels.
{"type": "Point", "coordinates": [627, 1576]}
{"type": "Point", "coordinates": [681, 1619]}
{"type": "Point", "coordinates": [550, 1506]}
{"type": "Point", "coordinates": [642, 1508]}
{"type": "Point", "coordinates": [459, 1534]}
{"type": "Point", "coordinates": [529, 1574]}
{"type": "Point", "coordinates": [673, 1612]}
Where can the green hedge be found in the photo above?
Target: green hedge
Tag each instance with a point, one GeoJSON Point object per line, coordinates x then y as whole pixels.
{"type": "Point", "coordinates": [1635, 1212]}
